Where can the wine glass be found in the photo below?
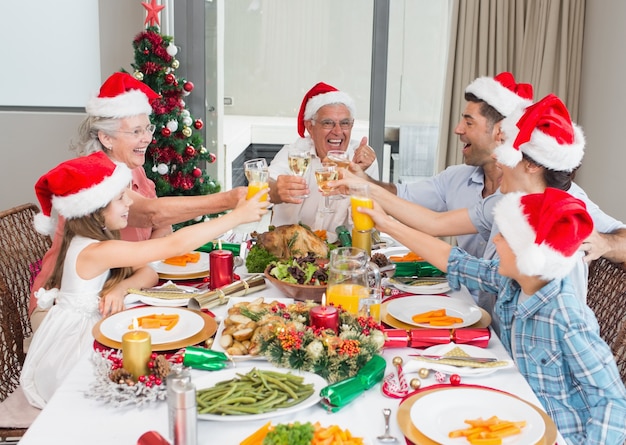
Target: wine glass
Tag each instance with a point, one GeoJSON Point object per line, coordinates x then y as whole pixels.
{"type": "Point", "coordinates": [341, 160]}
{"type": "Point", "coordinates": [299, 160]}
{"type": "Point", "coordinates": [327, 172]}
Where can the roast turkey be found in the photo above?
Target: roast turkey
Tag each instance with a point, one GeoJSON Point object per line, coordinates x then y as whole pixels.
{"type": "Point", "coordinates": [293, 240]}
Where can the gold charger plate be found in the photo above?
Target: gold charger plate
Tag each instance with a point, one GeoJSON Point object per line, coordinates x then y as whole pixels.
{"type": "Point", "coordinates": [418, 438]}
{"type": "Point", "coordinates": [484, 322]}
{"type": "Point", "coordinates": [209, 328]}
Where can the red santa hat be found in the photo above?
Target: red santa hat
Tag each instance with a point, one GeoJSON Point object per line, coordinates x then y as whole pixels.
{"type": "Point", "coordinates": [77, 188]}
{"type": "Point", "coordinates": [318, 96]}
{"type": "Point", "coordinates": [544, 230]}
{"type": "Point", "coordinates": [502, 92]}
{"type": "Point", "coordinates": [545, 132]}
{"type": "Point", "coordinates": [121, 95]}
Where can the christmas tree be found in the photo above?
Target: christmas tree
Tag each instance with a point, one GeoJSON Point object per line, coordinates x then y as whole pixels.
{"type": "Point", "coordinates": [176, 156]}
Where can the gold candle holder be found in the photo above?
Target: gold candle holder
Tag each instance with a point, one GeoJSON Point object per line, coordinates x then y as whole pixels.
{"type": "Point", "coordinates": [136, 352]}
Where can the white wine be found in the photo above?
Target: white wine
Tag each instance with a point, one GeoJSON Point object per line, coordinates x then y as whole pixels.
{"type": "Point", "coordinates": [323, 176]}
{"type": "Point", "coordinates": [298, 164]}
{"type": "Point", "coordinates": [341, 162]}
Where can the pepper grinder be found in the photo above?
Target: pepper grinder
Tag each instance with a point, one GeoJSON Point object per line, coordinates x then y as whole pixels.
{"type": "Point", "coordinates": [181, 403]}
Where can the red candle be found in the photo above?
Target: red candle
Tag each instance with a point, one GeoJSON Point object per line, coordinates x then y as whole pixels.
{"type": "Point", "coordinates": [325, 317]}
{"type": "Point", "coordinates": [221, 268]}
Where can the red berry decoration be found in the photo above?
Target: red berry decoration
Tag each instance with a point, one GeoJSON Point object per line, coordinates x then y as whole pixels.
{"type": "Point", "coordinates": [196, 172]}
{"type": "Point", "coordinates": [170, 78]}
{"type": "Point", "coordinates": [455, 380]}
{"type": "Point", "coordinates": [142, 378]}
{"type": "Point", "coordinates": [188, 86]}
{"type": "Point", "coordinates": [158, 381]}
{"type": "Point", "coordinates": [154, 355]}
{"type": "Point", "coordinates": [198, 124]}
{"type": "Point", "coordinates": [166, 132]}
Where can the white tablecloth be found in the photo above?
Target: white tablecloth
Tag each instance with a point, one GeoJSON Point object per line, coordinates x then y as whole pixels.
{"type": "Point", "coordinates": [71, 418]}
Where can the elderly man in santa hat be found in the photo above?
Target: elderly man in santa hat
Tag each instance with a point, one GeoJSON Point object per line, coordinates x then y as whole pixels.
{"type": "Point", "coordinates": [327, 115]}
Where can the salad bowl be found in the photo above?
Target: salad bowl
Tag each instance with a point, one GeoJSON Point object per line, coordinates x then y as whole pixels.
{"type": "Point", "coordinates": [299, 292]}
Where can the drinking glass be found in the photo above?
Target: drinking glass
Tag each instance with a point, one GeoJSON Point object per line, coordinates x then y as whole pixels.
{"type": "Point", "coordinates": [327, 172]}
{"type": "Point", "coordinates": [257, 175]}
{"type": "Point", "coordinates": [341, 160]}
{"type": "Point", "coordinates": [299, 160]}
{"type": "Point", "coordinates": [360, 197]}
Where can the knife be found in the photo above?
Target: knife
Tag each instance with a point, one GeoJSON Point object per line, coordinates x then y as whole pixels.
{"type": "Point", "coordinates": [457, 357]}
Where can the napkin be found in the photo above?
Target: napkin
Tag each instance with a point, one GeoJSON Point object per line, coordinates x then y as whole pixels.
{"type": "Point", "coordinates": [421, 338]}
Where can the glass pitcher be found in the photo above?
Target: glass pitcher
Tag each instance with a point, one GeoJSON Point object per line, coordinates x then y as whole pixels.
{"type": "Point", "coordinates": [349, 273]}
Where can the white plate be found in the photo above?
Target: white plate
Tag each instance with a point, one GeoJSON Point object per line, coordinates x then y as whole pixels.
{"type": "Point", "coordinates": [211, 379]}
{"type": "Point", "coordinates": [189, 324]}
{"type": "Point", "coordinates": [404, 308]}
{"type": "Point", "coordinates": [394, 250]}
{"type": "Point", "coordinates": [432, 289]}
{"type": "Point", "coordinates": [231, 302]}
{"type": "Point", "coordinates": [130, 299]}
{"type": "Point", "coordinates": [463, 371]}
{"type": "Point", "coordinates": [438, 413]}
{"type": "Point", "coordinates": [190, 269]}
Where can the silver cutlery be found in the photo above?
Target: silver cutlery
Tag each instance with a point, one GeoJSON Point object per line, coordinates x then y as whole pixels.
{"type": "Point", "coordinates": [387, 437]}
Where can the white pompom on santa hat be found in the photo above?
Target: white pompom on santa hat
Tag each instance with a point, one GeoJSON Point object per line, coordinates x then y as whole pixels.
{"type": "Point", "coordinates": [77, 188]}
{"type": "Point", "coordinates": [545, 132]}
{"type": "Point", "coordinates": [544, 230]}
{"type": "Point", "coordinates": [502, 92]}
{"type": "Point", "coordinates": [320, 95]}
{"type": "Point", "coordinates": [121, 95]}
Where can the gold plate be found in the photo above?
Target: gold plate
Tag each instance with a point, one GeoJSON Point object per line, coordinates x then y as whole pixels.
{"type": "Point", "coordinates": [209, 328]}
{"type": "Point", "coordinates": [418, 438]}
{"type": "Point", "coordinates": [484, 322]}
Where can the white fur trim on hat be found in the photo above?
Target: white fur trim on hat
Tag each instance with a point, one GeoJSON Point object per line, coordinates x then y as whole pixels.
{"type": "Point", "coordinates": [130, 103]}
{"type": "Point", "coordinates": [93, 198]}
{"type": "Point", "coordinates": [496, 95]}
{"type": "Point", "coordinates": [542, 148]}
{"type": "Point", "coordinates": [44, 224]}
{"type": "Point", "coordinates": [532, 259]}
{"type": "Point", "coordinates": [333, 97]}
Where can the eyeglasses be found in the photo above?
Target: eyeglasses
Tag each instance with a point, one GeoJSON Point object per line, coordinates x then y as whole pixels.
{"type": "Point", "coordinates": [138, 132]}
{"type": "Point", "coordinates": [329, 124]}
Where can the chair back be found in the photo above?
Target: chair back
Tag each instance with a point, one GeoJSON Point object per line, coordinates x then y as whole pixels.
{"type": "Point", "coordinates": [606, 296]}
{"type": "Point", "coordinates": [11, 343]}
{"type": "Point", "coordinates": [21, 251]}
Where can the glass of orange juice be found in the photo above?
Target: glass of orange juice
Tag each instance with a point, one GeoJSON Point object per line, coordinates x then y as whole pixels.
{"type": "Point", "coordinates": [257, 175]}
{"type": "Point", "coordinates": [360, 197]}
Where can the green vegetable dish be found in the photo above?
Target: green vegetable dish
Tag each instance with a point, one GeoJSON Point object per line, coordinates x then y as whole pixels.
{"type": "Point", "coordinates": [258, 258]}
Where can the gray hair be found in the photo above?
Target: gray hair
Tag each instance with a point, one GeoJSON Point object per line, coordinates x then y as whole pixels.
{"type": "Point", "coordinates": [86, 141]}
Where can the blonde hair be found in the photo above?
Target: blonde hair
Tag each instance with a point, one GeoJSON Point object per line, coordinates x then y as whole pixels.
{"type": "Point", "coordinates": [90, 226]}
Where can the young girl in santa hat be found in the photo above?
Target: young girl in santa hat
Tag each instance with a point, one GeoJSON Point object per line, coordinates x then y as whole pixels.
{"type": "Point", "coordinates": [90, 193]}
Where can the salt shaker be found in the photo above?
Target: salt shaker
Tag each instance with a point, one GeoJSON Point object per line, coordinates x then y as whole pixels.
{"type": "Point", "coordinates": [181, 403]}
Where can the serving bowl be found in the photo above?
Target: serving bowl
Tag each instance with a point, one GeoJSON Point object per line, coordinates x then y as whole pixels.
{"type": "Point", "coordinates": [299, 292]}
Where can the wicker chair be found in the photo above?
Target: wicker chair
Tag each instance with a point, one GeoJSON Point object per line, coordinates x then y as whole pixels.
{"type": "Point", "coordinates": [606, 296]}
{"type": "Point", "coordinates": [11, 355]}
{"type": "Point", "coordinates": [21, 250]}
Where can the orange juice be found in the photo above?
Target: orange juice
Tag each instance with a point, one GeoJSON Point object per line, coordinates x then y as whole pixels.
{"type": "Point", "coordinates": [346, 295]}
{"type": "Point", "coordinates": [361, 221]}
{"type": "Point", "coordinates": [256, 187]}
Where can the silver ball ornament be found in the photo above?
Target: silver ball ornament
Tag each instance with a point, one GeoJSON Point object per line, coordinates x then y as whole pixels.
{"type": "Point", "coordinates": [171, 49]}
{"type": "Point", "coordinates": [187, 120]}
{"type": "Point", "coordinates": [172, 126]}
{"type": "Point", "coordinates": [162, 169]}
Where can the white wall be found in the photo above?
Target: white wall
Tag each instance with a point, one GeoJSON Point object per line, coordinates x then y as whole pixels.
{"type": "Point", "coordinates": [603, 99]}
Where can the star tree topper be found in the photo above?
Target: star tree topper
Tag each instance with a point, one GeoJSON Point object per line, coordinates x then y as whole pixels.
{"type": "Point", "coordinates": [153, 12]}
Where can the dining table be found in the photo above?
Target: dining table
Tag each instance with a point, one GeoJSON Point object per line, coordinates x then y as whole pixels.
{"type": "Point", "coordinates": [72, 418]}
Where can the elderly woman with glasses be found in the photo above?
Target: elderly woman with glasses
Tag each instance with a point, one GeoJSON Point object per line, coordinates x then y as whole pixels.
{"type": "Point", "coordinates": [118, 123]}
{"type": "Point", "coordinates": [327, 115]}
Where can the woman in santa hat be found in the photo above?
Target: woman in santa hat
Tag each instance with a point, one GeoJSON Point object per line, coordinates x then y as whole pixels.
{"type": "Point", "coordinates": [92, 195]}
{"type": "Point", "coordinates": [118, 124]}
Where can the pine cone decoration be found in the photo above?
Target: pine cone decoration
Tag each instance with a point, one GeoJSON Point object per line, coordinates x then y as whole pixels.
{"type": "Point", "coordinates": [161, 367]}
{"type": "Point", "coordinates": [121, 376]}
